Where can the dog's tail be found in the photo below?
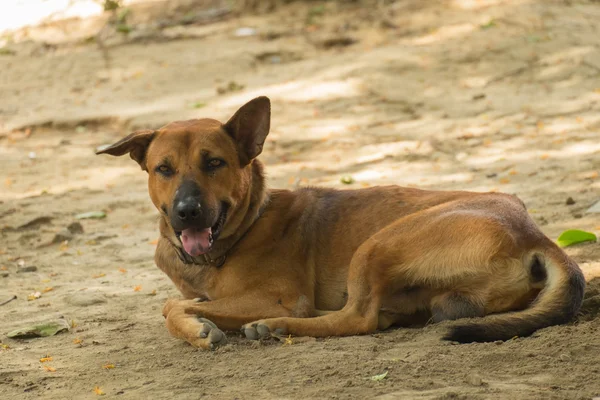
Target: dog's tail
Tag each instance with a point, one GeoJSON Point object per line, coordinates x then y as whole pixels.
{"type": "Point", "coordinates": [557, 303]}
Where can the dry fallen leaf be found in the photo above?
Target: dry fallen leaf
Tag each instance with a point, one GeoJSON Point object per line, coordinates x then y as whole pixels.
{"type": "Point", "coordinates": [153, 293]}
{"type": "Point", "coordinates": [4, 346]}
{"type": "Point", "coordinates": [544, 157]}
{"type": "Point", "coordinates": [45, 359]}
{"type": "Point", "coordinates": [122, 270]}
{"type": "Point", "coordinates": [512, 172]}
{"type": "Point", "coordinates": [77, 341]}
{"type": "Point", "coordinates": [592, 175]}
{"type": "Point", "coordinates": [137, 288]}
{"type": "Point", "coordinates": [154, 242]}
{"type": "Point", "coordinates": [288, 340]}
{"type": "Point", "coordinates": [3, 268]}
{"type": "Point", "coordinates": [108, 366]}
{"type": "Point", "coordinates": [73, 324]}
{"type": "Point", "coordinates": [8, 182]}
{"type": "Point", "coordinates": [49, 369]}
{"type": "Point", "coordinates": [48, 289]}
{"type": "Point", "coordinates": [100, 275]}
{"type": "Point", "coordinates": [99, 391]}
{"type": "Point", "coordinates": [504, 181]}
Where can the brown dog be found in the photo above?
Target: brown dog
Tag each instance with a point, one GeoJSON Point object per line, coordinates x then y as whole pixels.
{"type": "Point", "coordinates": [323, 262]}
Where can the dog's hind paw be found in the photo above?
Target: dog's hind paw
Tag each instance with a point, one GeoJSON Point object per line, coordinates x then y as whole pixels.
{"type": "Point", "coordinates": [259, 330]}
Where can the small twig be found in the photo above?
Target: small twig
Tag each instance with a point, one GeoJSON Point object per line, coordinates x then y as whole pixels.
{"type": "Point", "coordinates": [9, 300]}
{"type": "Point", "coordinates": [508, 74]}
{"type": "Point", "coordinates": [590, 65]}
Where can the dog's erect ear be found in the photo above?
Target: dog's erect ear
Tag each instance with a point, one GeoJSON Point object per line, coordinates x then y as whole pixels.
{"type": "Point", "coordinates": [249, 127]}
{"type": "Point", "coordinates": [135, 144]}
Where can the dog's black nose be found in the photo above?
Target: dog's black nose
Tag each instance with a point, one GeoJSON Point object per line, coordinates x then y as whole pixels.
{"type": "Point", "coordinates": [187, 210]}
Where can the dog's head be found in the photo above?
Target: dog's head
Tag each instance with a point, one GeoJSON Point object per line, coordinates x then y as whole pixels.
{"type": "Point", "coordinates": [199, 171]}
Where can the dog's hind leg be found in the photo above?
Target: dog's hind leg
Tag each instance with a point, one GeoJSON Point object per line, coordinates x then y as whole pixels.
{"type": "Point", "coordinates": [443, 249]}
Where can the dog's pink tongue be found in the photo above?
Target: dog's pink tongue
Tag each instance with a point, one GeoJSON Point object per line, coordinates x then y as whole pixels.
{"type": "Point", "coordinates": [196, 241]}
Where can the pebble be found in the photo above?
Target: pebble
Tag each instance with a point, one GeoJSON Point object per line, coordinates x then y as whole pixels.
{"type": "Point", "coordinates": [594, 209]}
{"type": "Point", "coordinates": [564, 357]}
{"type": "Point", "coordinates": [475, 380]}
{"type": "Point", "coordinates": [61, 236]}
{"type": "Point", "coordinates": [75, 228]}
{"type": "Point", "coordinates": [244, 32]}
{"type": "Point", "coordinates": [570, 201]}
{"type": "Point", "coordinates": [85, 299]}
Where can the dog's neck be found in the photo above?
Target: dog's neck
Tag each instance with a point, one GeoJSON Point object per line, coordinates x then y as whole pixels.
{"type": "Point", "coordinates": [252, 208]}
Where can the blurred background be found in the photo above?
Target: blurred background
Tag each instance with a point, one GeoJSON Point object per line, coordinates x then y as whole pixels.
{"type": "Point", "coordinates": [484, 95]}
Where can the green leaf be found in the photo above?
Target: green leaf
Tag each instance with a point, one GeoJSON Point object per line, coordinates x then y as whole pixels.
{"type": "Point", "coordinates": [490, 24]}
{"type": "Point", "coordinates": [574, 236]}
{"type": "Point", "coordinates": [347, 179]}
{"type": "Point", "coordinates": [41, 330]}
{"type": "Point", "coordinates": [123, 28]}
{"type": "Point", "coordinates": [198, 104]}
{"type": "Point", "coordinates": [91, 215]}
{"type": "Point", "coordinates": [379, 377]}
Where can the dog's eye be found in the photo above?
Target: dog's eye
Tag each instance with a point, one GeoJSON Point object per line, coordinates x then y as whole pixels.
{"type": "Point", "coordinates": [214, 163]}
{"type": "Point", "coordinates": [164, 170]}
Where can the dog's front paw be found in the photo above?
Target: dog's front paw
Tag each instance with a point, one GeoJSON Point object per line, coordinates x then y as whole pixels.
{"type": "Point", "coordinates": [197, 331]}
{"type": "Point", "coordinates": [261, 330]}
{"type": "Point", "coordinates": [209, 335]}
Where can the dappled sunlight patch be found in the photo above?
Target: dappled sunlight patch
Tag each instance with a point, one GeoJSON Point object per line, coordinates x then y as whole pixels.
{"type": "Point", "coordinates": [475, 82]}
{"type": "Point", "coordinates": [569, 55]}
{"type": "Point", "coordinates": [302, 90]}
{"type": "Point", "coordinates": [444, 33]}
{"type": "Point", "coordinates": [94, 178]}
{"type": "Point", "coordinates": [30, 12]}
{"type": "Point", "coordinates": [474, 4]}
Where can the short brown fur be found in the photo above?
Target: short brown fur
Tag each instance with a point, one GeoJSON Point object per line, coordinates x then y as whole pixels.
{"type": "Point", "coordinates": [322, 262]}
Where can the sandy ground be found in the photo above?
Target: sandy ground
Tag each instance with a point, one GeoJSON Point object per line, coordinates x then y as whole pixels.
{"type": "Point", "coordinates": [478, 95]}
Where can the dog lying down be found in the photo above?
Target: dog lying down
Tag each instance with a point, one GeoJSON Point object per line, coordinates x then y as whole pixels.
{"type": "Point", "coordinates": [325, 262]}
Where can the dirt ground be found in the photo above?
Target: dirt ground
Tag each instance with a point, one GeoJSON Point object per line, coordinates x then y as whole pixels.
{"type": "Point", "coordinates": [473, 94]}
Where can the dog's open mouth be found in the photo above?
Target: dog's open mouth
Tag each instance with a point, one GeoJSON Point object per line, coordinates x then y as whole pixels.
{"type": "Point", "coordinates": [198, 241]}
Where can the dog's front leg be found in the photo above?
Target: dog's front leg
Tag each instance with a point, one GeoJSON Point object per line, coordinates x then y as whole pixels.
{"type": "Point", "coordinates": [198, 331]}
{"type": "Point", "coordinates": [198, 322]}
